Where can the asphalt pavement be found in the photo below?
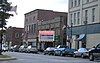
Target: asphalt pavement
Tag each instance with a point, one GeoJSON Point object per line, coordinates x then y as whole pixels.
{"type": "Point", "coordinates": [40, 58]}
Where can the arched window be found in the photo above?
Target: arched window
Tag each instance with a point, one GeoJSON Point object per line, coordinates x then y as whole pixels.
{"type": "Point", "coordinates": [17, 35]}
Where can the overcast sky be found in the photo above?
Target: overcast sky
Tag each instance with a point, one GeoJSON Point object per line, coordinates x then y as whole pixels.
{"type": "Point", "coordinates": [24, 6]}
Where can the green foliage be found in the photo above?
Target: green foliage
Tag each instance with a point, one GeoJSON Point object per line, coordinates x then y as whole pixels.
{"type": "Point", "coordinates": [4, 9]}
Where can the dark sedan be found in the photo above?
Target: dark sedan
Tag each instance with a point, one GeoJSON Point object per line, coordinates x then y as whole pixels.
{"type": "Point", "coordinates": [16, 48]}
{"type": "Point", "coordinates": [94, 53]}
{"type": "Point", "coordinates": [58, 50]}
{"type": "Point", "coordinates": [68, 51]}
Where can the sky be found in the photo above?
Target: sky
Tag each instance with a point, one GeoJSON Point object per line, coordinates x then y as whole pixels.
{"type": "Point", "coordinates": [25, 6]}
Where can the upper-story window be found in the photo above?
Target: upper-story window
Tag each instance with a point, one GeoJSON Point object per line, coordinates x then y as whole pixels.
{"type": "Point", "coordinates": [86, 15]}
{"type": "Point", "coordinates": [78, 2]}
{"type": "Point", "coordinates": [71, 3]}
{"type": "Point", "coordinates": [75, 3]}
{"type": "Point", "coordinates": [26, 20]}
{"type": "Point", "coordinates": [93, 14]}
{"type": "Point", "coordinates": [71, 17]}
{"type": "Point", "coordinates": [31, 29]}
{"type": "Point", "coordinates": [74, 18]}
{"type": "Point", "coordinates": [34, 27]}
{"type": "Point", "coordinates": [34, 18]}
{"type": "Point", "coordinates": [28, 28]}
{"type": "Point", "coordinates": [17, 35]}
{"type": "Point", "coordinates": [87, 1]}
{"type": "Point", "coordinates": [78, 17]}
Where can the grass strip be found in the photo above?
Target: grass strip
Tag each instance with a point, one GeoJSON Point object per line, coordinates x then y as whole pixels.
{"type": "Point", "coordinates": [4, 56]}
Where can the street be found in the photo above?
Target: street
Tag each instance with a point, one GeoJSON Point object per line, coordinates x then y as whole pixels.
{"type": "Point", "coordinates": [40, 58]}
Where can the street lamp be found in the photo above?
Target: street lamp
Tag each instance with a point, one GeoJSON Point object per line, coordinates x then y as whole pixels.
{"type": "Point", "coordinates": [85, 23]}
{"type": "Point", "coordinates": [71, 34]}
{"type": "Point", "coordinates": [69, 40]}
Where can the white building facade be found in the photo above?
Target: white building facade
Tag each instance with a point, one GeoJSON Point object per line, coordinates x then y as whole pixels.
{"type": "Point", "coordinates": [84, 23]}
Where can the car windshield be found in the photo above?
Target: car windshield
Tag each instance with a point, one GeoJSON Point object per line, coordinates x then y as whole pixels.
{"type": "Point", "coordinates": [29, 46]}
{"type": "Point", "coordinates": [50, 48]}
{"type": "Point", "coordinates": [82, 49]}
{"type": "Point", "coordinates": [33, 46]}
{"type": "Point", "coordinates": [22, 46]}
{"type": "Point", "coordinates": [98, 46]}
{"type": "Point", "coordinates": [62, 46]}
{"type": "Point", "coordinates": [47, 48]}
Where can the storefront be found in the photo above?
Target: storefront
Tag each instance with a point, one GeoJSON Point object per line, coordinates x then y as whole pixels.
{"type": "Point", "coordinates": [84, 36]}
{"type": "Point", "coordinates": [46, 39]}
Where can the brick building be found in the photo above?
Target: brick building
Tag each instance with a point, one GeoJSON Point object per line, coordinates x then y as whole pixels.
{"type": "Point", "coordinates": [38, 17]}
{"type": "Point", "coordinates": [55, 25]}
{"type": "Point", "coordinates": [14, 35]}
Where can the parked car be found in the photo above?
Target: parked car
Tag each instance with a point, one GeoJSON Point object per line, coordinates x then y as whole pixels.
{"type": "Point", "coordinates": [32, 49]}
{"type": "Point", "coordinates": [11, 48]}
{"type": "Point", "coordinates": [58, 50]}
{"type": "Point", "coordinates": [49, 50]}
{"type": "Point", "coordinates": [94, 53]}
{"type": "Point", "coordinates": [81, 52]}
{"type": "Point", "coordinates": [22, 48]}
{"type": "Point", "coordinates": [68, 51]}
{"type": "Point", "coordinates": [4, 48]}
{"type": "Point", "coordinates": [16, 48]}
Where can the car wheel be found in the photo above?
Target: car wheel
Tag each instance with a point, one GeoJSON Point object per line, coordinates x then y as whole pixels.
{"type": "Point", "coordinates": [91, 57]}
{"type": "Point", "coordinates": [82, 55]}
{"type": "Point", "coordinates": [44, 53]}
{"type": "Point", "coordinates": [74, 55]}
{"type": "Point", "coordinates": [61, 54]}
{"type": "Point", "coordinates": [54, 54]}
{"type": "Point", "coordinates": [49, 53]}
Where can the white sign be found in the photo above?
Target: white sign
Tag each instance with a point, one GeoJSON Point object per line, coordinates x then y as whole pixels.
{"type": "Point", "coordinates": [46, 35]}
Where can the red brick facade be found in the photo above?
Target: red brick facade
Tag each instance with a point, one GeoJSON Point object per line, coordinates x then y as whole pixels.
{"type": "Point", "coordinates": [14, 35]}
{"type": "Point", "coordinates": [40, 19]}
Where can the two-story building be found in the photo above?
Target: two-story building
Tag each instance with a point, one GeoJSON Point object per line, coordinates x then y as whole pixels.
{"type": "Point", "coordinates": [57, 25]}
{"type": "Point", "coordinates": [13, 36]}
{"type": "Point", "coordinates": [39, 20]}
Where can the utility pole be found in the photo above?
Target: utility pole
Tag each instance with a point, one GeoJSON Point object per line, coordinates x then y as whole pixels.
{"type": "Point", "coordinates": [85, 23]}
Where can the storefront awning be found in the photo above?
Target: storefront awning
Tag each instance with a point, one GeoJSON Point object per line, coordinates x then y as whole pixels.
{"type": "Point", "coordinates": [81, 36]}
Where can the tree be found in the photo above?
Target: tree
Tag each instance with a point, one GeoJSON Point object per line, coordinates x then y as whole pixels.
{"type": "Point", "coordinates": [4, 9]}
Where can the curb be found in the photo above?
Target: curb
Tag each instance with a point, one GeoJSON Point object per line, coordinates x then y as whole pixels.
{"type": "Point", "coordinates": [4, 59]}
